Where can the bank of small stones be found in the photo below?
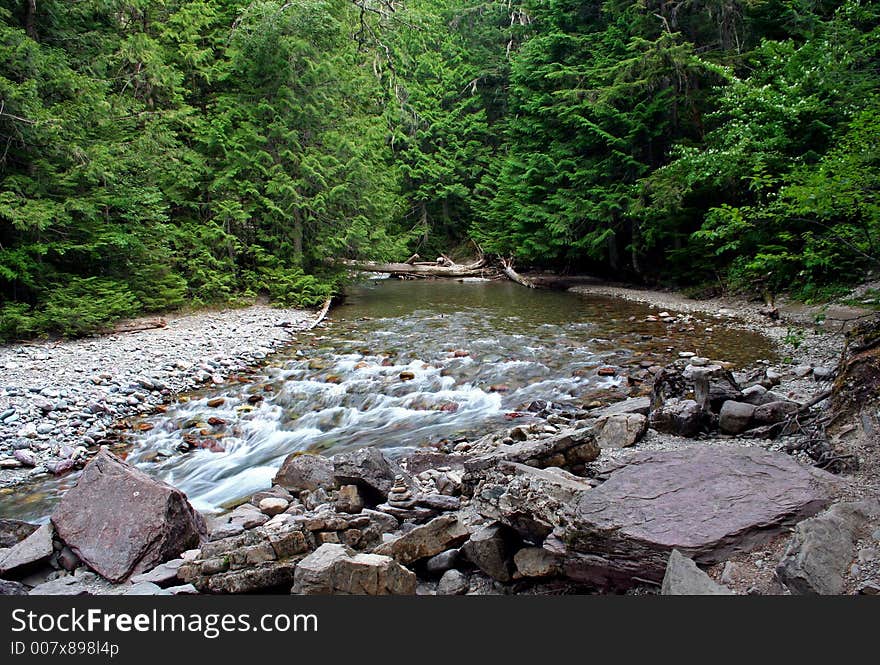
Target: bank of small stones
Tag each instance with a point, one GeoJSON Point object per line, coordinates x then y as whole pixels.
{"type": "Point", "coordinates": [60, 400]}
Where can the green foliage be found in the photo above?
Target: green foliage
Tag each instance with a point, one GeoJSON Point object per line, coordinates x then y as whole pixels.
{"type": "Point", "coordinates": [159, 153]}
{"type": "Point", "coordinates": [87, 304]}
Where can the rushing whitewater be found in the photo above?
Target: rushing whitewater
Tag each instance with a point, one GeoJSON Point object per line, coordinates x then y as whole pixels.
{"type": "Point", "coordinates": [404, 365]}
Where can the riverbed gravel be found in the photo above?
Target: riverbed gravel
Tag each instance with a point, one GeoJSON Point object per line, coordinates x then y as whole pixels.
{"type": "Point", "coordinates": [59, 398]}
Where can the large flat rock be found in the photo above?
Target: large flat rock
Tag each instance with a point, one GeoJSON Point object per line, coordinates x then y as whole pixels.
{"type": "Point", "coordinates": [120, 521]}
{"type": "Point", "coordinates": [705, 501]}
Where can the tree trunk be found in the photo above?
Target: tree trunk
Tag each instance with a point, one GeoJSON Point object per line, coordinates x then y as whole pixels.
{"type": "Point", "coordinates": [30, 19]}
{"type": "Point", "coordinates": [417, 269]}
{"type": "Point", "coordinates": [297, 234]}
{"type": "Point", "coordinates": [507, 267]}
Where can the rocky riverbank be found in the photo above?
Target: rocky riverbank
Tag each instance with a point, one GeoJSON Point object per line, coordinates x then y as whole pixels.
{"type": "Point", "coordinates": [59, 399]}
{"type": "Point", "coordinates": [692, 478]}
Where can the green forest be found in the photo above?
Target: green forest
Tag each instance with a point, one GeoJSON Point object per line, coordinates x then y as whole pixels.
{"type": "Point", "coordinates": [158, 154]}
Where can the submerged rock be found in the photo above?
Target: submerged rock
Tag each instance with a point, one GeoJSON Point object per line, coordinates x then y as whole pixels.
{"type": "Point", "coordinates": [120, 521]}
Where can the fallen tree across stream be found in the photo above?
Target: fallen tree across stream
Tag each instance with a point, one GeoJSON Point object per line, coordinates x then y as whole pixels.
{"type": "Point", "coordinates": [478, 268]}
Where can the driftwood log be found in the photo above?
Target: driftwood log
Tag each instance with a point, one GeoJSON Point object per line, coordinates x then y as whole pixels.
{"type": "Point", "coordinates": [135, 326]}
{"type": "Point", "coordinates": [321, 314]}
{"type": "Point", "coordinates": [419, 269]}
{"type": "Point", "coordinates": [507, 269]}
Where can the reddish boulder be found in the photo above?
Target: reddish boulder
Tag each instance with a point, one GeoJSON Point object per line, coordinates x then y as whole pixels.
{"type": "Point", "coordinates": [121, 522]}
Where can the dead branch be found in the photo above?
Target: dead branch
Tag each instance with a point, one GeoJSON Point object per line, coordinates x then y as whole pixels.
{"type": "Point", "coordinates": [513, 275]}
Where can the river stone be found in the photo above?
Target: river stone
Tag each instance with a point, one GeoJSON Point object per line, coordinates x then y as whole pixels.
{"type": "Point", "coordinates": [620, 430]}
{"type": "Point", "coordinates": [33, 550]}
{"type": "Point", "coordinates": [271, 576]}
{"type": "Point", "coordinates": [632, 405]}
{"type": "Point", "coordinates": [164, 574]}
{"type": "Point", "coordinates": [706, 501]}
{"type": "Point", "coordinates": [146, 589]}
{"type": "Point", "coordinates": [681, 417]}
{"type": "Point", "coordinates": [303, 471]}
{"type": "Point", "coordinates": [735, 417]}
{"type": "Point", "coordinates": [8, 588]}
{"type": "Point", "coordinates": [491, 550]}
{"type": "Point", "coordinates": [535, 562]}
{"type": "Point", "coordinates": [684, 578]}
{"type": "Point", "coordinates": [821, 548]}
{"type": "Point", "coordinates": [775, 412]}
{"type": "Point", "coordinates": [337, 569]}
{"type": "Point", "coordinates": [371, 471]}
{"type": "Point", "coordinates": [440, 534]}
{"type": "Point", "coordinates": [272, 506]}
{"type": "Point", "coordinates": [529, 500]}
{"type": "Point", "coordinates": [61, 586]}
{"type": "Point", "coordinates": [452, 583]}
{"type": "Point", "coordinates": [13, 532]}
{"type": "Point", "coordinates": [571, 447]}
{"type": "Point", "coordinates": [442, 562]}
{"type": "Point", "coordinates": [754, 394]}
{"type": "Point", "coordinates": [121, 522]}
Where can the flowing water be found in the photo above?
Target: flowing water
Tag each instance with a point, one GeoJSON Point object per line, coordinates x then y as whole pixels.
{"type": "Point", "coordinates": [404, 364]}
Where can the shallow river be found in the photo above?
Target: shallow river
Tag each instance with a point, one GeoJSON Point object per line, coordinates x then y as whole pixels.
{"type": "Point", "coordinates": [403, 364]}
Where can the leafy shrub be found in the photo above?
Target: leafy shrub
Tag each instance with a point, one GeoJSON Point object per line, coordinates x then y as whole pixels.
{"type": "Point", "coordinates": [17, 320]}
{"type": "Point", "coordinates": [85, 305]}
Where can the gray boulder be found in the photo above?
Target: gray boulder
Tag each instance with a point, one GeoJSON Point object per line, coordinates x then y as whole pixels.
{"type": "Point", "coordinates": [453, 583]}
{"type": "Point", "coordinates": [631, 405]}
{"type": "Point", "coordinates": [442, 562]}
{"type": "Point", "coordinates": [303, 471]}
{"type": "Point", "coordinates": [775, 412]}
{"type": "Point", "coordinates": [684, 578]}
{"type": "Point", "coordinates": [821, 549]}
{"type": "Point", "coordinates": [681, 417]}
{"type": "Point", "coordinates": [706, 501]}
{"type": "Point", "coordinates": [735, 417]}
{"type": "Point", "coordinates": [535, 562]}
{"type": "Point", "coordinates": [337, 569]}
{"type": "Point", "coordinates": [121, 522]}
{"type": "Point", "coordinates": [491, 550]}
{"type": "Point", "coordinates": [370, 470]}
{"type": "Point", "coordinates": [29, 553]}
{"type": "Point", "coordinates": [620, 430]}
{"type": "Point", "coordinates": [569, 448]}
{"type": "Point", "coordinates": [427, 540]}
{"type": "Point", "coordinates": [530, 501]}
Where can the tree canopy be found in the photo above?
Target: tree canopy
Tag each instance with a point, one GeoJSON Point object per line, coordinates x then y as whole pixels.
{"type": "Point", "coordinates": [159, 153]}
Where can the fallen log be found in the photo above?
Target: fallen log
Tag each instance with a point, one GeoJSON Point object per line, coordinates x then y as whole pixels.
{"type": "Point", "coordinates": [507, 268]}
{"type": "Point", "coordinates": [475, 269]}
{"type": "Point", "coordinates": [321, 315]}
{"type": "Point", "coordinates": [135, 326]}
